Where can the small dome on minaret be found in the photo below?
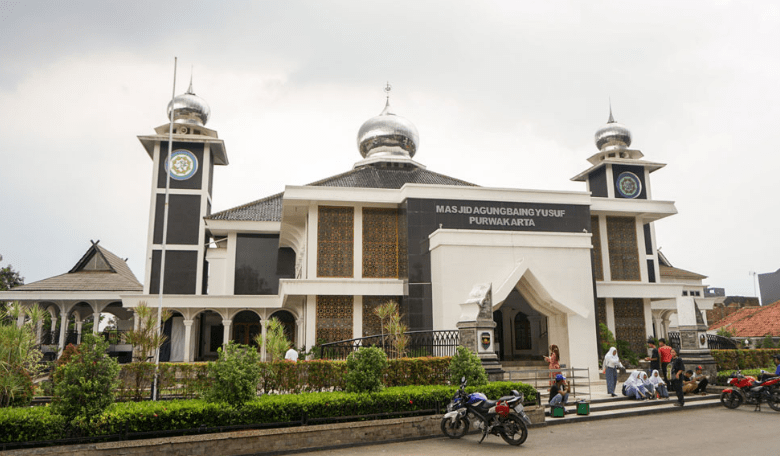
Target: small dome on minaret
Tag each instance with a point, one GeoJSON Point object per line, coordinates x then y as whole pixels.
{"type": "Point", "coordinates": [190, 108]}
{"type": "Point", "coordinates": [613, 136]}
{"type": "Point", "coordinates": [388, 135]}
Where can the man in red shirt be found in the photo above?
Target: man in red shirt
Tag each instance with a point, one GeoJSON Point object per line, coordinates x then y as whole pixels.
{"type": "Point", "coordinates": [665, 353]}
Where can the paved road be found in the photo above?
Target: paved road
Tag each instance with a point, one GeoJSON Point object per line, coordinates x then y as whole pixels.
{"type": "Point", "coordinates": [712, 431]}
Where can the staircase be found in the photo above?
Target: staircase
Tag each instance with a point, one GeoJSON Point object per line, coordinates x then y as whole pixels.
{"type": "Point", "coordinates": [621, 406]}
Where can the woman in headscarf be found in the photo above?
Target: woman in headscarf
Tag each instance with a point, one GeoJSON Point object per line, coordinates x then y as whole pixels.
{"type": "Point", "coordinates": [659, 385]}
{"type": "Point", "coordinates": [633, 387]}
{"type": "Point", "coordinates": [610, 366]}
{"type": "Point", "coordinates": [554, 362]}
{"type": "Point", "coordinates": [645, 381]}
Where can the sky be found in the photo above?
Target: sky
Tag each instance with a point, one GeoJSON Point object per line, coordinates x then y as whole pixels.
{"type": "Point", "coordinates": [503, 94]}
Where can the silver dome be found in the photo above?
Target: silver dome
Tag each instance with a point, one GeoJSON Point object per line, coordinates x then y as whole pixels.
{"type": "Point", "coordinates": [388, 135]}
{"type": "Point", "coordinates": [613, 136]}
{"type": "Point", "coordinates": [190, 108]}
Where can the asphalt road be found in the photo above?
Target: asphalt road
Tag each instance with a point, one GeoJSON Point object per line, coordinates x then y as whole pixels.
{"type": "Point", "coordinates": [712, 431]}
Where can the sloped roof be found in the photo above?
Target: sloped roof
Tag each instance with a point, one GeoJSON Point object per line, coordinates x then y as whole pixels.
{"type": "Point", "coordinates": [97, 270]}
{"type": "Point", "coordinates": [369, 176]}
{"type": "Point", "coordinates": [677, 273]}
{"type": "Point", "coordinates": [752, 321]}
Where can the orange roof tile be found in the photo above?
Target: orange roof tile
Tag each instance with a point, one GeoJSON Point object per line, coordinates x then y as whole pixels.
{"type": "Point", "coordinates": [753, 321]}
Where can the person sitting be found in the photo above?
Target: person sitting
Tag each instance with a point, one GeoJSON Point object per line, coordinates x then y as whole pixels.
{"type": "Point", "coordinates": [689, 384]}
{"type": "Point", "coordinates": [647, 384]}
{"type": "Point", "coordinates": [701, 381]}
{"type": "Point", "coordinates": [559, 394]}
{"type": "Point", "coordinates": [633, 387]}
{"type": "Point", "coordinates": [768, 375]}
{"type": "Point", "coordinates": [659, 385]}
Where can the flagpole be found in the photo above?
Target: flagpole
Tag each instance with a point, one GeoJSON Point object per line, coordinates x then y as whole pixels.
{"type": "Point", "coordinates": [165, 231]}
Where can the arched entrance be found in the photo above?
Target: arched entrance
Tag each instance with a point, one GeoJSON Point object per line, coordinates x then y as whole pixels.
{"type": "Point", "coordinates": [521, 331]}
{"type": "Point", "coordinates": [246, 326]}
{"type": "Point", "coordinates": [288, 321]}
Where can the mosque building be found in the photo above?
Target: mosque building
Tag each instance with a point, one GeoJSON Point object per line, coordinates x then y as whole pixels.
{"type": "Point", "coordinates": [320, 257]}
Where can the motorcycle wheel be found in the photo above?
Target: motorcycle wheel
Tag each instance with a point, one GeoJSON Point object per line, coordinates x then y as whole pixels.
{"type": "Point", "coordinates": [774, 399]}
{"type": "Point", "coordinates": [515, 431]}
{"type": "Point", "coordinates": [454, 430]}
{"type": "Point", "coordinates": [731, 400]}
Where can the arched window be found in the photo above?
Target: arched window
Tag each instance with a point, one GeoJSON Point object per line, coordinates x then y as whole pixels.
{"type": "Point", "coordinates": [522, 332]}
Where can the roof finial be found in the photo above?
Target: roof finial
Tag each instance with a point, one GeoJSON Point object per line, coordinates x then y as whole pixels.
{"type": "Point", "coordinates": [190, 89]}
{"type": "Point", "coordinates": [387, 90]}
{"type": "Point", "coordinates": [611, 119]}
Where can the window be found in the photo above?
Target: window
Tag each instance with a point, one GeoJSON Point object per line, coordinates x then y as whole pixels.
{"type": "Point", "coordinates": [623, 253]}
{"type": "Point", "coordinates": [380, 243]}
{"type": "Point", "coordinates": [335, 241]}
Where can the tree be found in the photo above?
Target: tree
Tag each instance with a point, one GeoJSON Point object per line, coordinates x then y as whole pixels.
{"type": "Point", "coordinates": [234, 376]}
{"type": "Point", "coordinates": [725, 332]}
{"type": "Point", "coordinates": [146, 340]}
{"type": "Point", "coordinates": [364, 370]}
{"type": "Point", "coordinates": [19, 357]}
{"type": "Point", "coordinates": [86, 385]}
{"type": "Point", "coordinates": [276, 343]}
{"type": "Point", "coordinates": [467, 364]}
{"type": "Point", "coordinates": [8, 279]}
{"type": "Point", "coordinates": [395, 328]}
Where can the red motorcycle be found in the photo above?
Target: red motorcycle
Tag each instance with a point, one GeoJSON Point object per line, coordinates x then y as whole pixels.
{"type": "Point", "coordinates": [746, 389]}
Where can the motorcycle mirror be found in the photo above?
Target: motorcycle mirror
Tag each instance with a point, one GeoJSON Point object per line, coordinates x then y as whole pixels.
{"type": "Point", "coordinates": [463, 379]}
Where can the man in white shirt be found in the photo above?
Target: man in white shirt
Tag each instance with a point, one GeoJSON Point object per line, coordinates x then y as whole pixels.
{"type": "Point", "coordinates": [291, 355]}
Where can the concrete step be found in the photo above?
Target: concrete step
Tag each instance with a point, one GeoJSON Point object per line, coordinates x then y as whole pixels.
{"type": "Point", "coordinates": [621, 407]}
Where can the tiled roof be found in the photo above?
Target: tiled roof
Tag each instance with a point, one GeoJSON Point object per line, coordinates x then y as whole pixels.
{"type": "Point", "coordinates": [119, 278]}
{"type": "Point", "coordinates": [677, 273]}
{"type": "Point", "coordinates": [369, 176]}
{"type": "Point", "coordinates": [753, 321]}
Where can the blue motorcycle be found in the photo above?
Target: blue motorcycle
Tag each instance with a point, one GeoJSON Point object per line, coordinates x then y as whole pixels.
{"type": "Point", "coordinates": [504, 417]}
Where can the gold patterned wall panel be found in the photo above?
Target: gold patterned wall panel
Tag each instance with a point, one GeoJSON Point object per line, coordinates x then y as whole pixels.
{"type": "Point", "coordinates": [371, 323]}
{"type": "Point", "coordinates": [598, 261]}
{"type": "Point", "coordinates": [380, 243]}
{"type": "Point", "coordinates": [630, 323]}
{"type": "Point", "coordinates": [335, 241]}
{"type": "Point", "coordinates": [601, 310]}
{"type": "Point", "coordinates": [623, 252]}
{"type": "Point", "coordinates": [334, 318]}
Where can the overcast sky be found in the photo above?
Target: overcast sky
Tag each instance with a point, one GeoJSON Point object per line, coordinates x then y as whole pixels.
{"type": "Point", "coordinates": [504, 94]}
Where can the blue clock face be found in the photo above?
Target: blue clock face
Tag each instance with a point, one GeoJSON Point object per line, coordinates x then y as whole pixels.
{"type": "Point", "coordinates": [628, 185]}
{"type": "Point", "coordinates": [183, 165]}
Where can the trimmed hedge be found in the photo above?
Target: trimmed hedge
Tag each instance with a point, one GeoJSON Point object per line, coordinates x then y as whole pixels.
{"type": "Point", "coordinates": [39, 423]}
{"type": "Point", "coordinates": [187, 380]}
{"type": "Point", "coordinates": [744, 359]}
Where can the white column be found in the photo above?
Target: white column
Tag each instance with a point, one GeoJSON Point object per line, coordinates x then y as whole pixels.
{"type": "Point", "coordinates": [263, 351]}
{"type": "Point", "coordinates": [39, 332]}
{"type": "Point", "coordinates": [298, 334]}
{"type": "Point", "coordinates": [63, 328]}
{"type": "Point", "coordinates": [226, 333]}
{"type": "Point", "coordinates": [357, 317]}
{"type": "Point", "coordinates": [96, 322]}
{"type": "Point", "coordinates": [20, 319]}
{"type": "Point", "coordinates": [187, 339]}
{"type": "Point", "coordinates": [357, 269]}
{"type": "Point", "coordinates": [79, 325]}
{"type": "Point", "coordinates": [611, 316]}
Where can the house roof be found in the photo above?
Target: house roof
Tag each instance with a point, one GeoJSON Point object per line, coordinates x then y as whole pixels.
{"type": "Point", "coordinates": [97, 270]}
{"type": "Point", "coordinates": [677, 273]}
{"type": "Point", "coordinates": [375, 175]}
{"type": "Point", "coordinates": [752, 321]}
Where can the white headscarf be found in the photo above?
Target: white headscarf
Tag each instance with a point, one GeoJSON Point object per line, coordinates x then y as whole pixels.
{"type": "Point", "coordinates": [633, 380]}
{"type": "Point", "coordinates": [611, 358]}
{"type": "Point", "coordinates": [643, 377]}
{"type": "Point", "coordinates": [656, 380]}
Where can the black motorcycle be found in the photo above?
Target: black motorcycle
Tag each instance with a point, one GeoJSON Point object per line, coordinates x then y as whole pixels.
{"type": "Point", "coordinates": [504, 417]}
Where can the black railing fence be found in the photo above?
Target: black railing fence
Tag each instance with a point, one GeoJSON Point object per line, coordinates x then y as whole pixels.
{"type": "Point", "coordinates": [421, 343]}
{"type": "Point", "coordinates": [714, 342]}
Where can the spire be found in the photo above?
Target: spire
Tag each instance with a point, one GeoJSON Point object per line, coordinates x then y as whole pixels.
{"type": "Point", "coordinates": [611, 119]}
{"type": "Point", "coordinates": [190, 89]}
{"type": "Point", "coordinates": [387, 90]}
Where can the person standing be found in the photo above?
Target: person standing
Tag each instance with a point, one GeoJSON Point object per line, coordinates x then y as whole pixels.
{"type": "Point", "coordinates": [678, 372]}
{"type": "Point", "coordinates": [609, 369]}
{"type": "Point", "coordinates": [665, 357]}
{"type": "Point", "coordinates": [554, 362]}
{"type": "Point", "coordinates": [655, 361]}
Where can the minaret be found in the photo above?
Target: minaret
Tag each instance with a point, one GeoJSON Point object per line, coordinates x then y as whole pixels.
{"type": "Point", "coordinates": [196, 149]}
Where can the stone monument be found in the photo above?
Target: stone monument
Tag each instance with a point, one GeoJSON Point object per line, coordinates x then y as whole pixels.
{"type": "Point", "coordinates": [475, 328]}
{"type": "Point", "coordinates": [694, 349]}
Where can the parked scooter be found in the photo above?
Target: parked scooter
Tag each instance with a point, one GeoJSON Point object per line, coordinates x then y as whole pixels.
{"type": "Point", "coordinates": [745, 389]}
{"type": "Point", "coordinates": [504, 417]}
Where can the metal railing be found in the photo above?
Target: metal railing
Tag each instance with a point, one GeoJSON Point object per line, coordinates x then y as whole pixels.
{"type": "Point", "coordinates": [714, 342]}
{"type": "Point", "coordinates": [421, 343]}
{"type": "Point", "coordinates": [541, 379]}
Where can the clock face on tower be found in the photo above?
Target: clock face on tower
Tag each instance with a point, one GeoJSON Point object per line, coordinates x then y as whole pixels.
{"type": "Point", "coordinates": [184, 164]}
{"type": "Point", "coordinates": [628, 185]}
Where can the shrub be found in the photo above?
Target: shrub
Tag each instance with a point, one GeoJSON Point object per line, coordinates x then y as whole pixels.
{"type": "Point", "coordinates": [234, 376]}
{"type": "Point", "coordinates": [467, 364]}
{"type": "Point", "coordinates": [744, 359]}
{"type": "Point", "coordinates": [364, 370]}
{"type": "Point", "coordinates": [86, 385]}
{"type": "Point", "coordinates": [19, 357]}
{"type": "Point", "coordinates": [768, 342]}
{"type": "Point", "coordinates": [276, 343]}
{"type": "Point", "coordinates": [606, 338]}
